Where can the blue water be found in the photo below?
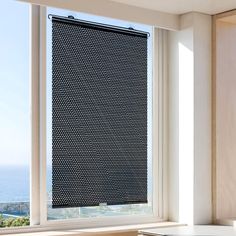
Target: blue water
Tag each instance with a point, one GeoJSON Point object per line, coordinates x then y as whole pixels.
{"type": "Point", "coordinates": [15, 183]}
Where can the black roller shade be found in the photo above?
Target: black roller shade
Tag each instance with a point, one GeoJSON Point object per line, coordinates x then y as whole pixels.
{"type": "Point", "coordinates": [99, 115]}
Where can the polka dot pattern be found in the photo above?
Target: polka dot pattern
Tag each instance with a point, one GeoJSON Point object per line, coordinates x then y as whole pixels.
{"type": "Point", "coordinates": [99, 116]}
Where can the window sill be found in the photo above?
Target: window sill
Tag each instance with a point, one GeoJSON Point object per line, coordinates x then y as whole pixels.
{"type": "Point", "coordinates": [126, 230]}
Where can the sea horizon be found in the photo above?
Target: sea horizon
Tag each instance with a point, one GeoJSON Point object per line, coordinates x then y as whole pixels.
{"type": "Point", "coordinates": [15, 183]}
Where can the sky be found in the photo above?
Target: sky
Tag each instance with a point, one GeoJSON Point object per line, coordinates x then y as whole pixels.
{"type": "Point", "coordinates": [14, 84]}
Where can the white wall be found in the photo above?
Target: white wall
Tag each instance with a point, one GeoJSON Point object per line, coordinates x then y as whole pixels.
{"type": "Point", "coordinates": [225, 119]}
{"type": "Point", "coordinates": [115, 10]}
{"type": "Point", "coordinates": [202, 119]}
{"type": "Point", "coordinates": [190, 120]}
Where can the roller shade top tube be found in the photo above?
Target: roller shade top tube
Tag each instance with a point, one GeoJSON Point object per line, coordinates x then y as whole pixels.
{"type": "Point", "coordinates": [99, 26]}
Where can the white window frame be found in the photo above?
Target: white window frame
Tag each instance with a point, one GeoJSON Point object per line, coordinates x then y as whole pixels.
{"type": "Point", "coordinates": [38, 192]}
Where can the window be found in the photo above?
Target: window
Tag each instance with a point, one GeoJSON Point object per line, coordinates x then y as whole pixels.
{"type": "Point", "coordinates": [21, 126]}
{"type": "Point", "coordinates": [102, 210]}
{"type": "Point", "coordinates": [14, 114]}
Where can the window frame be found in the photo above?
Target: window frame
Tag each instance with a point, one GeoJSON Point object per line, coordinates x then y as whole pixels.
{"type": "Point", "coordinates": [38, 191]}
{"type": "Point", "coordinates": [158, 210]}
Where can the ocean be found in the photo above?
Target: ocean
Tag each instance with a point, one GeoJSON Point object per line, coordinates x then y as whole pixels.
{"type": "Point", "coordinates": [15, 184]}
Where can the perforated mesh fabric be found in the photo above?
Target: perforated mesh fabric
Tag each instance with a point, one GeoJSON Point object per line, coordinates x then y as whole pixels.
{"type": "Point", "coordinates": [99, 116]}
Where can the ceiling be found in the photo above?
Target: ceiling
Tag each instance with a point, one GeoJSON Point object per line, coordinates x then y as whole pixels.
{"type": "Point", "coordinates": [183, 6]}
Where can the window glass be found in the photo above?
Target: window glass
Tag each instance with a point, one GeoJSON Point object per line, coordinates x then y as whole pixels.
{"type": "Point", "coordinates": [95, 211]}
{"type": "Point", "coordinates": [14, 114]}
